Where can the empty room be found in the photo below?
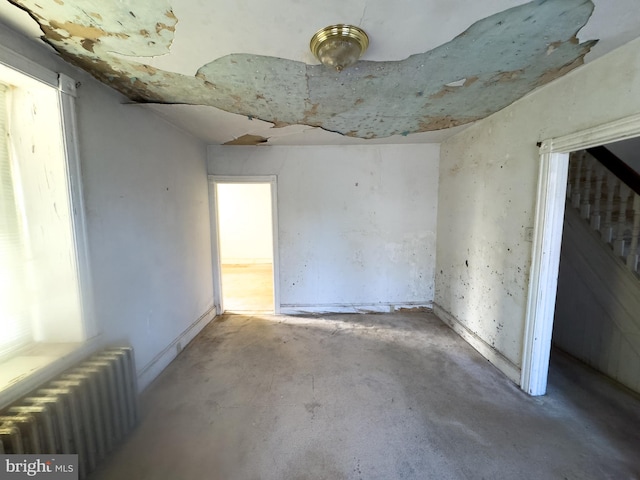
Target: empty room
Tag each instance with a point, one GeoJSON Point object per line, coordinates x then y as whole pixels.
{"type": "Point", "coordinates": [259, 240]}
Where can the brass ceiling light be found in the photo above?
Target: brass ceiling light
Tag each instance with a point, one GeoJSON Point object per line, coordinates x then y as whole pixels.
{"type": "Point", "coordinates": [339, 46]}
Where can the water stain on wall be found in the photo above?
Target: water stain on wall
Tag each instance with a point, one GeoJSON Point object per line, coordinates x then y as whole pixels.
{"type": "Point", "coordinates": [493, 63]}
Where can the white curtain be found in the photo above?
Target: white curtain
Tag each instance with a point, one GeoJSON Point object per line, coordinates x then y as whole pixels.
{"type": "Point", "coordinates": [15, 324]}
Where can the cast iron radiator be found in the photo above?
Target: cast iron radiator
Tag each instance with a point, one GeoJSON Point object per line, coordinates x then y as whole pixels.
{"type": "Point", "coordinates": [86, 410]}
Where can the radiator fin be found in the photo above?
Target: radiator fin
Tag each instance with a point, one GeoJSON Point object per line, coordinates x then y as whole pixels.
{"type": "Point", "coordinates": [87, 410]}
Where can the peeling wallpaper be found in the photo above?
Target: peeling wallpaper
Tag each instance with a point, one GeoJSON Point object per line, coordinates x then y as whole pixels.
{"type": "Point", "coordinates": [493, 63]}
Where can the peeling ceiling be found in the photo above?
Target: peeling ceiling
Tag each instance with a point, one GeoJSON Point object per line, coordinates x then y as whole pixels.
{"type": "Point", "coordinates": [242, 74]}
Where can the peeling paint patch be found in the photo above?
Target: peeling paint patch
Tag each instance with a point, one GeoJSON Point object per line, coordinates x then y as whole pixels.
{"type": "Point", "coordinates": [507, 76]}
{"type": "Point", "coordinates": [88, 44]}
{"type": "Point", "coordinates": [457, 83]}
{"type": "Point", "coordinates": [559, 72]}
{"type": "Point", "coordinates": [116, 25]}
{"type": "Point", "coordinates": [493, 63]}
{"type": "Point", "coordinates": [438, 123]}
{"type": "Point", "coordinates": [248, 140]}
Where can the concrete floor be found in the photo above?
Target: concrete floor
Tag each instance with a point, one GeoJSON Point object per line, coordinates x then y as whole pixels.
{"type": "Point", "coordinates": [387, 396]}
{"type": "Point", "coordinates": [247, 288]}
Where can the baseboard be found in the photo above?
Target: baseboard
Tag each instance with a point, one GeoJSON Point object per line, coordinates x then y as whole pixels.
{"type": "Point", "coordinates": [291, 309]}
{"type": "Point", "coordinates": [246, 261]}
{"type": "Point", "coordinates": [498, 360]}
{"type": "Point", "coordinates": [152, 369]}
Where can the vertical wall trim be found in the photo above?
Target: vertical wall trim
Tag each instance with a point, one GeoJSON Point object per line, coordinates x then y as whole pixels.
{"type": "Point", "coordinates": [215, 242]}
{"type": "Point", "coordinates": [276, 248]}
{"type": "Point", "coordinates": [68, 120]}
{"type": "Point", "coordinates": [552, 187]}
{"type": "Point", "coordinates": [66, 92]}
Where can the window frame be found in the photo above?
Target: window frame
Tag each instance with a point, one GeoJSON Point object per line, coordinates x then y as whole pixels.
{"type": "Point", "coordinates": [61, 356]}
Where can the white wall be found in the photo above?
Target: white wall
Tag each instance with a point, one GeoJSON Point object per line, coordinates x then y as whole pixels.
{"type": "Point", "coordinates": [357, 224]}
{"type": "Point", "coordinates": [147, 208]}
{"type": "Point", "coordinates": [244, 216]}
{"type": "Point", "coordinates": [488, 181]}
{"type": "Point", "coordinates": [146, 197]}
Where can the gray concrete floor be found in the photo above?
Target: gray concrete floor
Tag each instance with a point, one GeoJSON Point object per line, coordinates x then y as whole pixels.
{"type": "Point", "coordinates": [397, 396]}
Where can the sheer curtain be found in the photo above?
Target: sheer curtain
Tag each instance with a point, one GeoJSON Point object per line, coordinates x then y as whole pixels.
{"type": "Point", "coordinates": [15, 322]}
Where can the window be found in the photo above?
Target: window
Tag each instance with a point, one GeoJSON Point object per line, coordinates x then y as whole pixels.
{"type": "Point", "coordinates": [15, 331]}
{"type": "Point", "coordinates": [44, 280]}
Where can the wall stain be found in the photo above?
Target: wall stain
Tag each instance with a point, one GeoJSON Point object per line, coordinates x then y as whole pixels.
{"type": "Point", "coordinates": [310, 113]}
{"type": "Point", "coordinates": [494, 62]}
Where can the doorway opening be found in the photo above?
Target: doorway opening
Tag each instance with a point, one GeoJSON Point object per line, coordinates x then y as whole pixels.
{"type": "Point", "coordinates": [245, 260]}
{"type": "Point", "coordinates": [549, 220]}
{"type": "Point", "coordinates": [596, 314]}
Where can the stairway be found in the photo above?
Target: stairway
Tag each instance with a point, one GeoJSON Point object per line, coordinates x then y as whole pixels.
{"type": "Point", "coordinates": [597, 316]}
{"type": "Point", "coordinates": [607, 203]}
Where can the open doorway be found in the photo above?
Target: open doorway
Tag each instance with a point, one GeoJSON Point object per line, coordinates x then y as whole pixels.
{"type": "Point", "coordinates": [547, 240]}
{"type": "Point", "coordinates": [245, 263]}
{"type": "Point", "coordinates": [597, 303]}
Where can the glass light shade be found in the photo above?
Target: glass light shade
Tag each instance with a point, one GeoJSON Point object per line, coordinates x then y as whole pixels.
{"type": "Point", "coordinates": [339, 46]}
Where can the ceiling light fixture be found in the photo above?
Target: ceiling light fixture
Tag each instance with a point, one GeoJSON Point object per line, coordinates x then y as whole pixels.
{"type": "Point", "coordinates": [339, 46]}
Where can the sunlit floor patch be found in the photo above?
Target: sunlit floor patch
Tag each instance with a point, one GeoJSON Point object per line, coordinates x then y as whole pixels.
{"type": "Point", "coordinates": [247, 288]}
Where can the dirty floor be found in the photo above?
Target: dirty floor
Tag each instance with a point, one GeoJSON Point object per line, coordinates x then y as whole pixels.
{"type": "Point", "coordinates": [386, 396]}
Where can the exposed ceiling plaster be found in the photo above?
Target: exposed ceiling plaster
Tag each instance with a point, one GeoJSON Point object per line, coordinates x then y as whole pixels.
{"type": "Point", "coordinates": [135, 47]}
{"type": "Point", "coordinates": [216, 127]}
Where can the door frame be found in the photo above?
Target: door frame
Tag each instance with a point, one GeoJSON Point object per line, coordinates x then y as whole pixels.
{"type": "Point", "coordinates": [216, 267]}
{"type": "Point", "coordinates": [547, 239]}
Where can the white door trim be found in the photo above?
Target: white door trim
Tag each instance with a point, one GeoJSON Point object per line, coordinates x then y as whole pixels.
{"type": "Point", "coordinates": [547, 240]}
{"type": "Point", "coordinates": [215, 234]}
{"type": "Point", "coordinates": [549, 218]}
